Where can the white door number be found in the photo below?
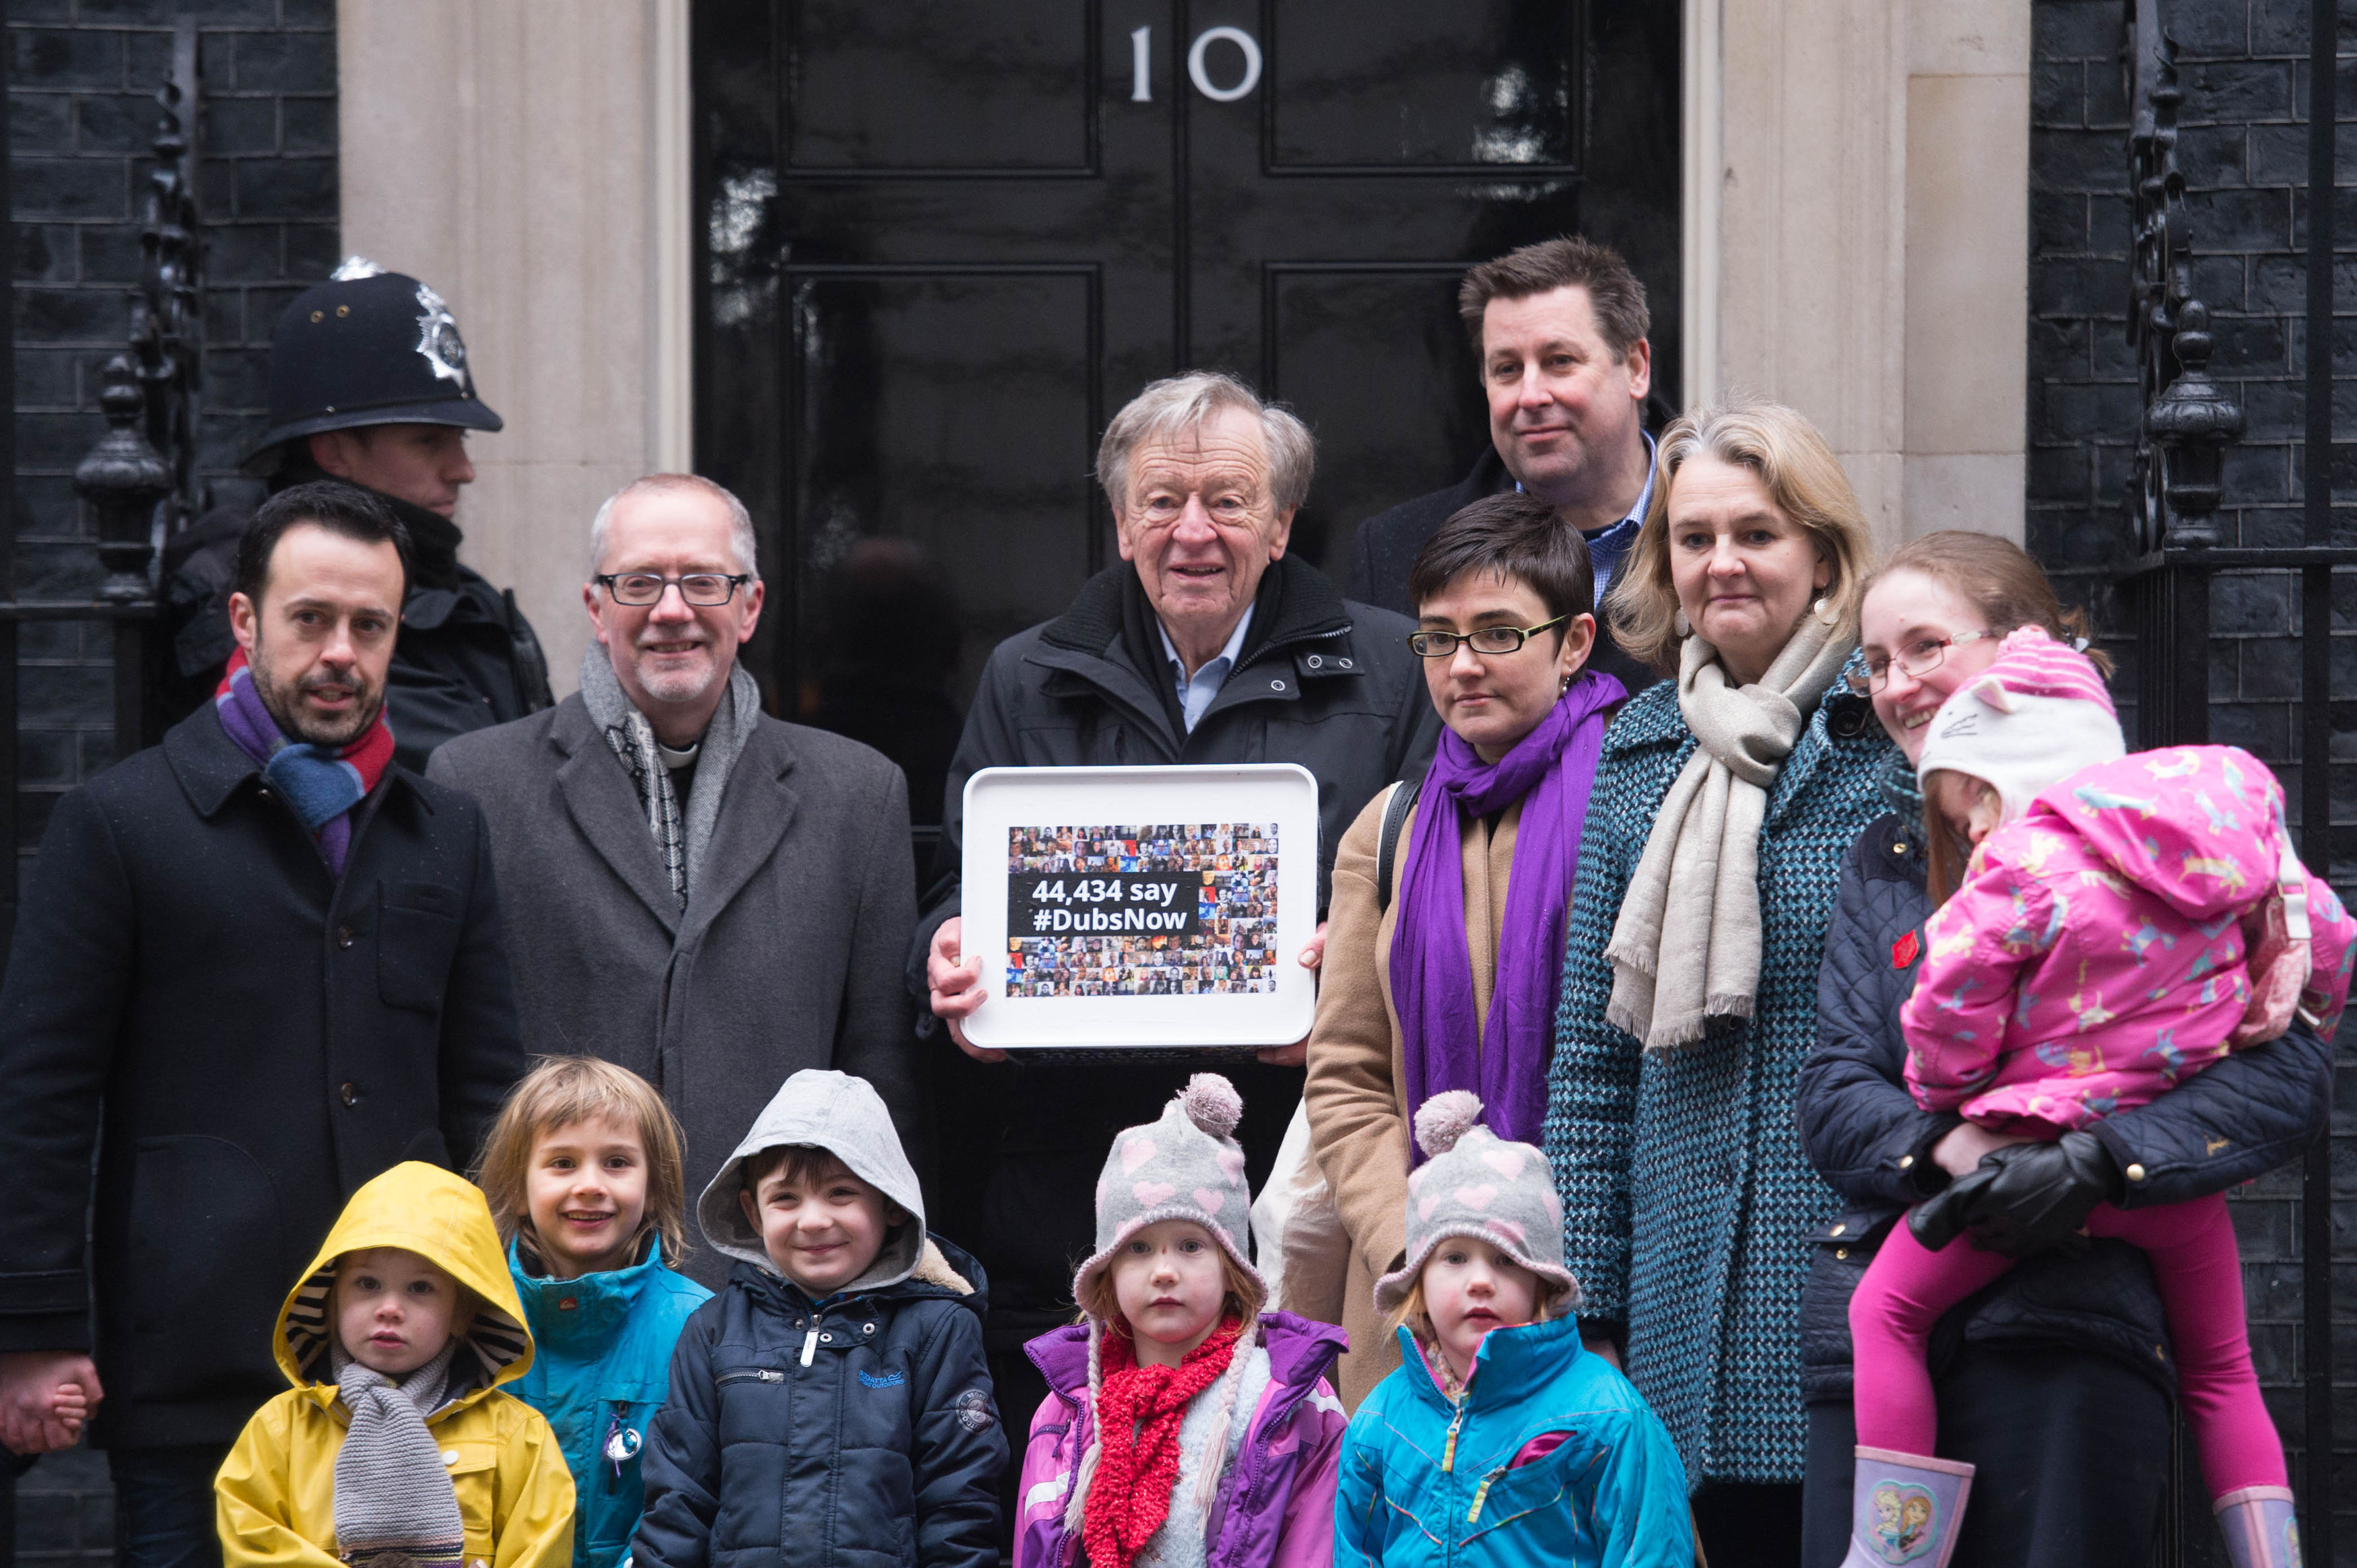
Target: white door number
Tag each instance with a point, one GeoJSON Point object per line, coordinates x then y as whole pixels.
{"type": "Point", "coordinates": [1141, 64]}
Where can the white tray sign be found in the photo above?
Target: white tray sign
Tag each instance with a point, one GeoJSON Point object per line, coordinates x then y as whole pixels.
{"type": "Point", "coordinates": [1141, 907]}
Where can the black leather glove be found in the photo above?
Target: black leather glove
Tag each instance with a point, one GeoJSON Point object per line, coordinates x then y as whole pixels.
{"type": "Point", "coordinates": [2042, 1194]}
{"type": "Point", "coordinates": [1941, 1219]}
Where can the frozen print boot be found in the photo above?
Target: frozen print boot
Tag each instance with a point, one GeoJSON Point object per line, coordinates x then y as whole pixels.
{"type": "Point", "coordinates": [1906, 1508]}
{"type": "Point", "coordinates": [2259, 1528]}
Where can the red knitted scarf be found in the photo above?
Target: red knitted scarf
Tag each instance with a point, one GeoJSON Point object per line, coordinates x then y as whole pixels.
{"type": "Point", "coordinates": [1139, 1411]}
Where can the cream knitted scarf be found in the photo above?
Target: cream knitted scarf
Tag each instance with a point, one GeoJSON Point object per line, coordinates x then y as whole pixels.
{"type": "Point", "coordinates": [1686, 947]}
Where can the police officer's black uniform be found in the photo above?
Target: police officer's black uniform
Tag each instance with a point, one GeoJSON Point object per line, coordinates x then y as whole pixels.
{"type": "Point", "coordinates": [369, 348]}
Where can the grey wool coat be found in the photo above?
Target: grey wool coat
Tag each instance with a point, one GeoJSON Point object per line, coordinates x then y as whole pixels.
{"type": "Point", "coordinates": [789, 953]}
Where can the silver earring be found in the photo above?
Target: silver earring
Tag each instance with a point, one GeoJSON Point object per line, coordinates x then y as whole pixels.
{"type": "Point", "coordinates": [1823, 610]}
{"type": "Point", "coordinates": [1562, 686]}
{"type": "Point", "coordinates": [1678, 623]}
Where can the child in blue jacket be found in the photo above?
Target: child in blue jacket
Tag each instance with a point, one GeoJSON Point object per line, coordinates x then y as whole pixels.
{"type": "Point", "coordinates": [583, 1173]}
{"type": "Point", "coordinates": [1499, 1441]}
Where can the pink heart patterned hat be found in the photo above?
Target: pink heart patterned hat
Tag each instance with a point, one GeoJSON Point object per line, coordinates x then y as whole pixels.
{"type": "Point", "coordinates": [1186, 1166]}
{"type": "Point", "coordinates": [1474, 1183]}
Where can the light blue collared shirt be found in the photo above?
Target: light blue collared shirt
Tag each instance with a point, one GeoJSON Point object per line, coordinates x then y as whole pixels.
{"type": "Point", "coordinates": [1194, 693]}
{"type": "Point", "coordinates": [1607, 546]}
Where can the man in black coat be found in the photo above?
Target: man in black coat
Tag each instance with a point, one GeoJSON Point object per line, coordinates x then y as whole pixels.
{"type": "Point", "coordinates": [256, 965]}
{"type": "Point", "coordinates": [1208, 644]}
{"type": "Point", "coordinates": [369, 383]}
{"type": "Point", "coordinates": [1560, 327]}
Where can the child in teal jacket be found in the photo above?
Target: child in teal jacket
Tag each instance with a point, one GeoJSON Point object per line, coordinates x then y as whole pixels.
{"type": "Point", "coordinates": [583, 1172]}
{"type": "Point", "coordinates": [1501, 1441]}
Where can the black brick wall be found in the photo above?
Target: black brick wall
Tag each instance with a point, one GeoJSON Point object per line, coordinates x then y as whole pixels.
{"type": "Point", "coordinates": [2244, 150]}
{"type": "Point", "coordinates": [82, 76]}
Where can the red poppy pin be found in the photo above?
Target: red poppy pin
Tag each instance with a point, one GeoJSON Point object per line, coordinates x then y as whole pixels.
{"type": "Point", "coordinates": [1906, 949]}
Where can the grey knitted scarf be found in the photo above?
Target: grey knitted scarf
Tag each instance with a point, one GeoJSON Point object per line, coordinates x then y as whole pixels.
{"type": "Point", "coordinates": [681, 838]}
{"type": "Point", "coordinates": [395, 1507]}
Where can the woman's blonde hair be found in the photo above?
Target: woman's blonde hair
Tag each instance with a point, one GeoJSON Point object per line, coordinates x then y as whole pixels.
{"type": "Point", "coordinates": [1804, 479]}
{"type": "Point", "coordinates": [565, 1089]}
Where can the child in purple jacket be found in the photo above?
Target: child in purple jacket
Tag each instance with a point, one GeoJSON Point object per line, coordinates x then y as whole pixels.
{"type": "Point", "coordinates": [1183, 1427]}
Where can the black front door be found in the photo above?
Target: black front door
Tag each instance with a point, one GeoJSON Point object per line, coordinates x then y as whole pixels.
{"type": "Point", "coordinates": [942, 243]}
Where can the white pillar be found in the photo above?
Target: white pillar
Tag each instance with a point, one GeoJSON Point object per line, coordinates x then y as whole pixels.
{"type": "Point", "coordinates": [530, 161]}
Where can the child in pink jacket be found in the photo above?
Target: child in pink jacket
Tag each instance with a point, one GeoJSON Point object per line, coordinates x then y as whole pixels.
{"type": "Point", "coordinates": [2123, 922]}
{"type": "Point", "coordinates": [1183, 1426]}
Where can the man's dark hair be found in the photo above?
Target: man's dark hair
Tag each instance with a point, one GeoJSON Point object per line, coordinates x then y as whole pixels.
{"type": "Point", "coordinates": [331, 504]}
{"type": "Point", "coordinates": [1518, 536]}
{"type": "Point", "coordinates": [1613, 291]}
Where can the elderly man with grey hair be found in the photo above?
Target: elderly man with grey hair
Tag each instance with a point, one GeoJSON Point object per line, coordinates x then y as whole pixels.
{"type": "Point", "coordinates": [1206, 644]}
{"type": "Point", "coordinates": [694, 890]}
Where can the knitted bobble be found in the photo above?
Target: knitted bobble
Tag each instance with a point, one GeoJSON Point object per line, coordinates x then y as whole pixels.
{"type": "Point", "coordinates": [1087, 1469]}
{"type": "Point", "coordinates": [1212, 1103]}
{"type": "Point", "coordinates": [1215, 1451]}
{"type": "Point", "coordinates": [1445, 1118]}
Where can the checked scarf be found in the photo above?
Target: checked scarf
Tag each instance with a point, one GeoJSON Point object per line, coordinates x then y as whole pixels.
{"type": "Point", "coordinates": [323, 783]}
{"type": "Point", "coordinates": [1139, 1412]}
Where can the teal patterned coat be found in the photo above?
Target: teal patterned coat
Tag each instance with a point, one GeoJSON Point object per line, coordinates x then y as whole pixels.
{"type": "Point", "coordinates": [1687, 1197]}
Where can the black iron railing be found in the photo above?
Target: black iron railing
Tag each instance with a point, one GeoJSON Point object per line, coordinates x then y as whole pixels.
{"type": "Point", "coordinates": [2174, 500]}
{"type": "Point", "coordinates": [140, 480]}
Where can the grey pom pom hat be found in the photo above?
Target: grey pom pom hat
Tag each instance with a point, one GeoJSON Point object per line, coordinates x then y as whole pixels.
{"type": "Point", "coordinates": [1185, 1166]}
{"type": "Point", "coordinates": [1476, 1183]}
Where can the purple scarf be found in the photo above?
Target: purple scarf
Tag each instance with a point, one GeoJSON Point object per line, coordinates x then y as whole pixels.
{"type": "Point", "coordinates": [1549, 770]}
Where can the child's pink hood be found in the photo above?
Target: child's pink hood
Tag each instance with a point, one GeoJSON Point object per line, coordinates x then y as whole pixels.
{"type": "Point", "coordinates": [2188, 824]}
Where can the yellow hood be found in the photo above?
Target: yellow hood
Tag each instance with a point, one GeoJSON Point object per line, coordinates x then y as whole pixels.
{"type": "Point", "coordinates": [443, 1219]}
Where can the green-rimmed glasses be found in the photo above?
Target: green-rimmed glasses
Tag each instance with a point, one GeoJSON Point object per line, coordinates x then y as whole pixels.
{"type": "Point", "coordinates": [1480, 639]}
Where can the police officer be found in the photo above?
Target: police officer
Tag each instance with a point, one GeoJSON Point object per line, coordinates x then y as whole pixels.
{"type": "Point", "coordinates": [369, 383]}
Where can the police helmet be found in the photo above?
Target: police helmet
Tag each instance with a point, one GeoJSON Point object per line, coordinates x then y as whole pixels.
{"type": "Point", "coordinates": [367, 347]}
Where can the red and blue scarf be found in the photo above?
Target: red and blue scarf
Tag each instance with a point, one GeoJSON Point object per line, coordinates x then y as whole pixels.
{"type": "Point", "coordinates": [323, 783]}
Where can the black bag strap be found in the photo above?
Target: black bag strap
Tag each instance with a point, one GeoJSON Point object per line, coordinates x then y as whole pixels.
{"type": "Point", "coordinates": [1395, 812]}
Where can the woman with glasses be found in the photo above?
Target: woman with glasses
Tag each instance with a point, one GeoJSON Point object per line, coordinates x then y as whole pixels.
{"type": "Point", "coordinates": [1722, 808]}
{"type": "Point", "coordinates": [2055, 1382]}
{"type": "Point", "coordinates": [1446, 938]}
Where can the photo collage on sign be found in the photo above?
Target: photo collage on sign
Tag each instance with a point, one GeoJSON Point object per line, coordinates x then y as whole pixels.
{"type": "Point", "coordinates": [1161, 909]}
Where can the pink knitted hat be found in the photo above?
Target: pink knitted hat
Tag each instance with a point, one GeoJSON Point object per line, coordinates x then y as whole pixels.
{"type": "Point", "coordinates": [2038, 714]}
{"type": "Point", "coordinates": [1185, 1166]}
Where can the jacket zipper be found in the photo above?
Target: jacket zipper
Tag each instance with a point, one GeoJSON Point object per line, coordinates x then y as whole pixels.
{"type": "Point", "coordinates": [753, 1375]}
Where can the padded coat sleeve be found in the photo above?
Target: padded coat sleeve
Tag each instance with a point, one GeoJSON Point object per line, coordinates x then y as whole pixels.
{"type": "Point", "coordinates": [959, 1456]}
{"type": "Point", "coordinates": [680, 1465]}
{"type": "Point", "coordinates": [1860, 1127]}
{"type": "Point", "coordinates": [2238, 1118]}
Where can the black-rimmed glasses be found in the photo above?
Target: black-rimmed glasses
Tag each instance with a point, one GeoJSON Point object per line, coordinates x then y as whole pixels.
{"type": "Point", "coordinates": [1481, 640]}
{"type": "Point", "coordinates": [707, 589]}
{"type": "Point", "coordinates": [1915, 660]}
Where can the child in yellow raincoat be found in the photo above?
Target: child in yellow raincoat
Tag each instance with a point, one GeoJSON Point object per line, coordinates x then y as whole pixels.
{"type": "Point", "coordinates": [396, 1449]}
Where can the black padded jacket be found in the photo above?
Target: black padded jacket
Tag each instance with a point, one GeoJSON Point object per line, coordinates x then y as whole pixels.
{"type": "Point", "coordinates": [862, 1434]}
{"type": "Point", "coordinates": [2244, 1116]}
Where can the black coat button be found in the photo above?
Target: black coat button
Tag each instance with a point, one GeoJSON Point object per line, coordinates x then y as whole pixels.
{"type": "Point", "coordinates": [343, 936]}
{"type": "Point", "coordinates": [350, 1093]}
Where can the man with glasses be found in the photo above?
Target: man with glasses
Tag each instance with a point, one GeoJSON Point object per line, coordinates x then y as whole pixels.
{"type": "Point", "coordinates": [694, 890]}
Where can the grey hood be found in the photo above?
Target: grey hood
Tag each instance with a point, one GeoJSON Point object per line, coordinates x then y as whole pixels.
{"type": "Point", "coordinates": [842, 1114]}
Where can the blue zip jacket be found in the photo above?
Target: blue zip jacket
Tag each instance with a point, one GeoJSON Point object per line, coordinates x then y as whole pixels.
{"type": "Point", "coordinates": [601, 1367]}
{"type": "Point", "coordinates": [1426, 1482]}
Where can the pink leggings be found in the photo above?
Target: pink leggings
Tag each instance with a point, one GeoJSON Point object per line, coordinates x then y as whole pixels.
{"type": "Point", "coordinates": [2191, 1245]}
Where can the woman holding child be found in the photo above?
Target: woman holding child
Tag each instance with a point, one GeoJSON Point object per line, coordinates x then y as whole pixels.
{"type": "Point", "coordinates": [1445, 934]}
{"type": "Point", "coordinates": [2056, 1381]}
{"type": "Point", "coordinates": [1706, 877]}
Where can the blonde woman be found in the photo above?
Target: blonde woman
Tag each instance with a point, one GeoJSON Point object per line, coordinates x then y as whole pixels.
{"type": "Point", "coordinates": [1722, 808]}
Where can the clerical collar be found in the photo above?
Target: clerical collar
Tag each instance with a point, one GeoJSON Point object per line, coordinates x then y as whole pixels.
{"type": "Point", "coordinates": [676, 757]}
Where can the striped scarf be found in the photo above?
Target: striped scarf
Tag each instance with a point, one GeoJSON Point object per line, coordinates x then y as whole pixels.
{"type": "Point", "coordinates": [323, 783]}
{"type": "Point", "coordinates": [395, 1506]}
